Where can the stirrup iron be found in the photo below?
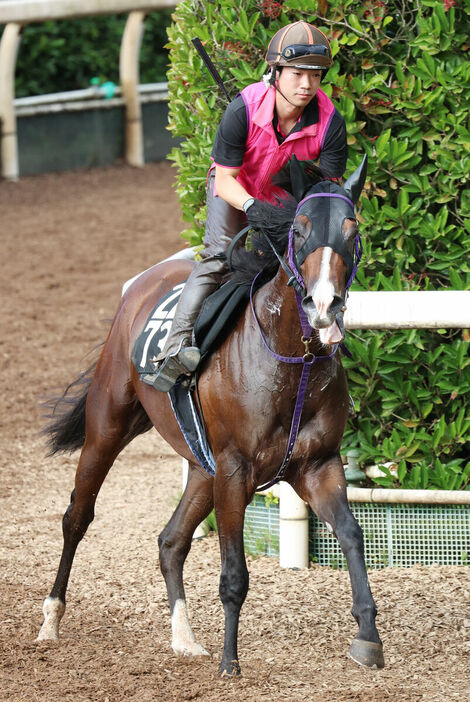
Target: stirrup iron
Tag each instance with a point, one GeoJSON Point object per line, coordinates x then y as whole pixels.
{"type": "Point", "coordinates": [184, 361]}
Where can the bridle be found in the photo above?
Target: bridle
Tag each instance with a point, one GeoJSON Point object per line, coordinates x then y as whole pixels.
{"type": "Point", "coordinates": [295, 279]}
{"type": "Point", "coordinates": [295, 260]}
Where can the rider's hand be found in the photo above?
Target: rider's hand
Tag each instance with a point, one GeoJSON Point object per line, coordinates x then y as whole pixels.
{"type": "Point", "coordinates": [255, 214]}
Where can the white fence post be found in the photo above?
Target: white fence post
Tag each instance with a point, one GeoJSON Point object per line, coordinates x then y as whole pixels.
{"type": "Point", "coordinates": [293, 528]}
{"type": "Point", "coordinates": [129, 77]}
{"type": "Point", "coordinates": [15, 13]}
{"type": "Point", "coordinates": [408, 309]}
{"type": "Point", "coordinates": [9, 44]}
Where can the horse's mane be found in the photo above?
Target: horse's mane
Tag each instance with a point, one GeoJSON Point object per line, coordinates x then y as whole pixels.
{"type": "Point", "coordinates": [274, 221]}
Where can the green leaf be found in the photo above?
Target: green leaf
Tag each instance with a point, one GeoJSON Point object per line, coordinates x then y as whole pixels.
{"type": "Point", "coordinates": [381, 143]}
{"type": "Point", "coordinates": [354, 22]}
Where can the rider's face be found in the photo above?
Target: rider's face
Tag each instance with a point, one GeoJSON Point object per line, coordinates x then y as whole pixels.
{"type": "Point", "coordinates": [299, 86]}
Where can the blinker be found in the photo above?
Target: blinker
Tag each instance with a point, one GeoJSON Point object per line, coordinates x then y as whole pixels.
{"type": "Point", "coordinates": [326, 212]}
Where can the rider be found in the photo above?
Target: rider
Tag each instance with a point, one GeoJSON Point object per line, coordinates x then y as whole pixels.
{"type": "Point", "coordinates": [261, 129]}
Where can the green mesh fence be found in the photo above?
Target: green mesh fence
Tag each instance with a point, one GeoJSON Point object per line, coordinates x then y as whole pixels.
{"type": "Point", "coordinates": [261, 532]}
{"type": "Point", "coordinates": [394, 535]}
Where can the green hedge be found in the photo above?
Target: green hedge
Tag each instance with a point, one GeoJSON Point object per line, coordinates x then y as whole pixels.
{"type": "Point", "coordinates": [402, 81]}
{"type": "Point", "coordinates": [56, 56]}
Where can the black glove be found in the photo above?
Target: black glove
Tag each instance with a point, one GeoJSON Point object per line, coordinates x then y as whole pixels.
{"type": "Point", "coordinates": [256, 214]}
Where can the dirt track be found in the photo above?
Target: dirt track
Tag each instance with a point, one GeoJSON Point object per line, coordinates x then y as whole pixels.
{"type": "Point", "coordinates": [69, 241]}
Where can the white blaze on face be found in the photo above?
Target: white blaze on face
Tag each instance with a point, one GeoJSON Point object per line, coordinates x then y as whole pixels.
{"type": "Point", "coordinates": [323, 292]}
{"type": "Point", "coordinates": [183, 642]}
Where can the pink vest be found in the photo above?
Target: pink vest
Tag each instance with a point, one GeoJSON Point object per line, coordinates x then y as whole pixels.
{"type": "Point", "coordinates": [264, 156]}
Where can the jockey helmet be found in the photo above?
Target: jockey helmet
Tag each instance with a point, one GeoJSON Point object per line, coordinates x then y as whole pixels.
{"type": "Point", "coordinates": [300, 45]}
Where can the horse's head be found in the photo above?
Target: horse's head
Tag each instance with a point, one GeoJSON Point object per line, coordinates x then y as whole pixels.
{"type": "Point", "coordinates": [323, 247]}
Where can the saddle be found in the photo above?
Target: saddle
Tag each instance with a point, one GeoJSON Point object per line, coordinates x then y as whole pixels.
{"type": "Point", "coordinates": [218, 315]}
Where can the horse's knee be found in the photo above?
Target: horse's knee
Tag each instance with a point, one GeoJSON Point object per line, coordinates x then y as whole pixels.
{"type": "Point", "coordinates": [172, 552]}
{"type": "Point", "coordinates": [233, 586]}
{"type": "Point", "coordinates": [164, 552]}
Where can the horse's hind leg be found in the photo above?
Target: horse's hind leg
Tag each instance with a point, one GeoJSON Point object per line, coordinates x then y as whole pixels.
{"type": "Point", "coordinates": [107, 424]}
{"type": "Point", "coordinates": [325, 491]}
{"type": "Point", "coordinates": [174, 543]}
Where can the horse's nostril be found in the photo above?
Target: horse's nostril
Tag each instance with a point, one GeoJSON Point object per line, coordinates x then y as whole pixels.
{"type": "Point", "coordinates": [338, 304]}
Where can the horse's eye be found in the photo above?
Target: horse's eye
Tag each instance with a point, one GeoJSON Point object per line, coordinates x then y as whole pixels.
{"type": "Point", "coordinates": [301, 225]}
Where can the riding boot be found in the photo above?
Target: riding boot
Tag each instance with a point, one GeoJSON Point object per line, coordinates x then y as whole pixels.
{"type": "Point", "coordinates": [180, 356]}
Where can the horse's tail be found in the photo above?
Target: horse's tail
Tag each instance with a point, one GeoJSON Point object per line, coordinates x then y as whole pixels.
{"type": "Point", "coordinates": [66, 429]}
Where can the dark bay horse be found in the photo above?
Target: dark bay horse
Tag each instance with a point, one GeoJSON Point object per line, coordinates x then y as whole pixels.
{"type": "Point", "coordinates": [248, 393]}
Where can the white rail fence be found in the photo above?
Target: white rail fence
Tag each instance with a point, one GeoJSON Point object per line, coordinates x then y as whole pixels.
{"type": "Point", "coordinates": [14, 14]}
{"type": "Point", "coordinates": [373, 310]}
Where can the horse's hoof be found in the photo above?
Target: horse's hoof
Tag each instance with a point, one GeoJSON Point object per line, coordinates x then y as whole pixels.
{"type": "Point", "coordinates": [47, 633]}
{"type": "Point", "coordinates": [191, 649]}
{"type": "Point", "coordinates": [367, 653]}
{"type": "Point", "coordinates": [231, 671]}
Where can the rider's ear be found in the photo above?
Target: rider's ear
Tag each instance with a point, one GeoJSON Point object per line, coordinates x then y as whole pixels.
{"type": "Point", "coordinates": [355, 182]}
{"type": "Point", "coordinates": [299, 180]}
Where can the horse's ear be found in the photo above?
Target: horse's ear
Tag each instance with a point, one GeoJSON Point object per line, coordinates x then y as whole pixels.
{"type": "Point", "coordinates": [299, 180]}
{"type": "Point", "coordinates": [355, 182]}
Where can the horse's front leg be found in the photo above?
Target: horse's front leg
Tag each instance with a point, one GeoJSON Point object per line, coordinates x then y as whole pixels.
{"type": "Point", "coordinates": [231, 497]}
{"type": "Point", "coordinates": [324, 489]}
{"type": "Point", "coordinates": [174, 544]}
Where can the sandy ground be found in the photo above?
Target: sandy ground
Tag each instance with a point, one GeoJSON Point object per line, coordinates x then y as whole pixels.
{"type": "Point", "coordinates": [69, 241]}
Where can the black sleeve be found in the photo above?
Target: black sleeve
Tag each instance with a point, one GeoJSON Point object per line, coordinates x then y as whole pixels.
{"type": "Point", "coordinates": [334, 154]}
{"type": "Point", "coordinates": [230, 140]}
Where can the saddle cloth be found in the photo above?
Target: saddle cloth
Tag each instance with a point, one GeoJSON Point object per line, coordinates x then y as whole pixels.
{"type": "Point", "coordinates": [217, 317]}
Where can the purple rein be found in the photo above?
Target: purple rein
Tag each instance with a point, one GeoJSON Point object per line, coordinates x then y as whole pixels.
{"type": "Point", "coordinates": [308, 359]}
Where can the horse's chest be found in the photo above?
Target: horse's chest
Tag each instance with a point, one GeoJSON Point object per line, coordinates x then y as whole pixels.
{"type": "Point", "coordinates": [320, 428]}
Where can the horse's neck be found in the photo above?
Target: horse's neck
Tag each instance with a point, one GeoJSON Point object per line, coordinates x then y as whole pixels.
{"type": "Point", "coordinates": [278, 315]}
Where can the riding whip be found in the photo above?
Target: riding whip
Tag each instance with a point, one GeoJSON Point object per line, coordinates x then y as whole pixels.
{"type": "Point", "coordinates": [210, 66]}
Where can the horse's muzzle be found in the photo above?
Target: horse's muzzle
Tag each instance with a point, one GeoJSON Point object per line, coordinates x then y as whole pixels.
{"type": "Point", "coordinates": [322, 321]}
